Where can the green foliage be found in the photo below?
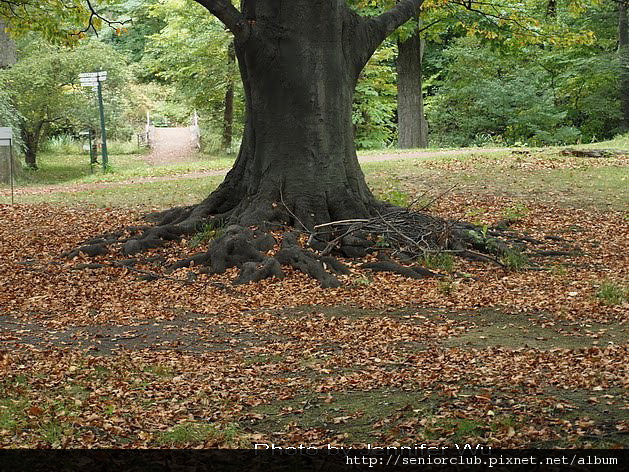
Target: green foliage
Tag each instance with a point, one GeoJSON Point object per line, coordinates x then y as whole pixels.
{"type": "Point", "coordinates": [438, 260]}
{"type": "Point", "coordinates": [612, 293]}
{"type": "Point", "coordinates": [515, 213]}
{"type": "Point", "coordinates": [57, 21]}
{"type": "Point", "coordinates": [556, 84]}
{"type": "Point", "coordinates": [375, 101]}
{"type": "Point", "coordinates": [514, 260]}
{"type": "Point", "coordinates": [9, 116]}
{"type": "Point", "coordinates": [190, 56]}
{"type": "Point", "coordinates": [395, 197]}
{"type": "Point", "coordinates": [208, 233]}
{"type": "Point", "coordinates": [44, 89]}
{"type": "Point", "coordinates": [64, 144]}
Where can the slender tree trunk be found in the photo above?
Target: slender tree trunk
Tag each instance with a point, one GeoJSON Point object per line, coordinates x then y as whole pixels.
{"type": "Point", "coordinates": [551, 9]}
{"type": "Point", "coordinates": [31, 144]}
{"type": "Point", "coordinates": [7, 48]}
{"type": "Point", "coordinates": [412, 124]}
{"type": "Point", "coordinates": [623, 54]}
{"type": "Point", "coordinates": [228, 117]}
{"type": "Point", "coordinates": [30, 153]}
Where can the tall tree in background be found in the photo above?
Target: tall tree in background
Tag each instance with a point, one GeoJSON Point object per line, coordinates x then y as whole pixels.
{"type": "Point", "coordinates": [623, 55]}
{"type": "Point", "coordinates": [412, 124]}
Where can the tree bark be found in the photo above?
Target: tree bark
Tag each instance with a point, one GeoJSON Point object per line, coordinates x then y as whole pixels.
{"type": "Point", "coordinates": [228, 116]}
{"type": "Point", "coordinates": [412, 124]}
{"type": "Point", "coordinates": [7, 48]}
{"type": "Point", "coordinates": [31, 144]}
{"type": "Point", "coordinates": [623, 55]}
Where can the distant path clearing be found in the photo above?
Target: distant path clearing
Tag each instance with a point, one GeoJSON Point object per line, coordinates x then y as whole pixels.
{"type": "Point", "coordinates": [171, 146]}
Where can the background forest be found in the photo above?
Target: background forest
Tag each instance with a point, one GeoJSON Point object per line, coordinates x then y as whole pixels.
{"type": "Point", "coordinates": [535, 72]}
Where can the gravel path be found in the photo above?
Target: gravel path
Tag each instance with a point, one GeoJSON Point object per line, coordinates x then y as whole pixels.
{"type": "Point", "coordinates": [375, 157]}
{"type": "Point", "coordinates": [171, 146]}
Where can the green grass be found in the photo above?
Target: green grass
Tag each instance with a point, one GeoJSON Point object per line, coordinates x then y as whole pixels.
{"type": "Point", "coordinates": [192, 434]}
{"type": "Point", "coordinates": [51, 432]}
{"type": "Point", "coordinates": [208, 233]}
{"type": "Point", "coordinates": [515, 212]}
{"type": "Point", "coordinates": [612, 293]}
{"type": "Point", "coordinates": [514, 260]}
{"type": "Point", "coordinates": [620, 142]}
{"type": "Point", "coordinates": [399, 181]}
{"type": "Point", "coordinates": [440, 261]}
{"type": "Point", "coordinates": [504, 174]}
{"type": "Point", "coordinates": [75, 169]}
{"type": "Point", "coordinates": [12, 413]}
{"type": "Point", "coordinates": [153, 194]}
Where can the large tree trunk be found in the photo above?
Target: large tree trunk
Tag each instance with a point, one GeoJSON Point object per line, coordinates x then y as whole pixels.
{"type": "Point", "coordinates": [623, 53]}
{"type": "Point", "coordinates": [412, 124]}
{"type": "Point", "coordinates": [299, 63]}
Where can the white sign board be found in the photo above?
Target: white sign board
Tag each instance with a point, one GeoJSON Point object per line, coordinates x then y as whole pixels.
{"type": "Point", "coordinates": [6, 135]}
{"type": "Point", "coordinates": [93, 76]}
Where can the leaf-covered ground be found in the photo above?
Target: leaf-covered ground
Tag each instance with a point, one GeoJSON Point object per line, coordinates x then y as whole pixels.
{"type": "Point", "coordinates": [100, 358]}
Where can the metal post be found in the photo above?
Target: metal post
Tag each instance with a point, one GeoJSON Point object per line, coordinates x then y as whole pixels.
{"type": "Point", "coordinates": [102, 125]}
{"type": "Point", "coordinates": [11, 170]}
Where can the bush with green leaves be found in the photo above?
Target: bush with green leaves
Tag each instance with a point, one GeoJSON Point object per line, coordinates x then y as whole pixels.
{"type": "Point", "coordinates": [43, 87]}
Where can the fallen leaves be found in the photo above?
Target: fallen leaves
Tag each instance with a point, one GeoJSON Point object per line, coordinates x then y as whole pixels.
{"type": "Point", "coordinates": [97, 358]}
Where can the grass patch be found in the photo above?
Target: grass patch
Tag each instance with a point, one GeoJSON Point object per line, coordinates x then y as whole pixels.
{"type": "Point", "coordinates": [51, 432]}
{"type": "Point", "coordinates": [194, 434]}
{"type": "Point", "coordinates": [456, 430]}
{"type": "Point", "coordinates": [612, 293]}
{"type": "Point", "coordinates": [572, 182]}
{"type": "Point", "coordinates": [12, 413]}
{"type": "Point", "coordinates": [209, 232]}
{"type": "Point", "coordinates": [354, 413]}
{"type": "Point", "coordinates": [154, 194]}
{"type": "Point", "coordinates": [494, 328]}
{"type": "Point", "coordinates": [438, 260]}
{"type": "Point", "coordinates": [74, 167]}
{"type": "Point", "coordinates": [515, 213]}
{"type": "Point", "coordinates": [514, 260]}
{"type": "Point", "coordinates": [395, 197]}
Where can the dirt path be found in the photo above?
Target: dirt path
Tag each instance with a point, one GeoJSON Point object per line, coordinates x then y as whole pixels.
{"type": "Point", "coordinates": [171, 146]}
{"type": "Point", "coordinates": [168, 155]}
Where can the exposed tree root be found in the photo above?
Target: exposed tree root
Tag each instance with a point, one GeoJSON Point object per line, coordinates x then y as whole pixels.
{"type": "Point", "coordinates": [393, 233]}
{"type": "Point", "coordinates": [413, 272]}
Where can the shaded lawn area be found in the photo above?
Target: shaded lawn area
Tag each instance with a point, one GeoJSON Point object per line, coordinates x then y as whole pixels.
{"type": "Point", "coordinates": [528, 358]}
